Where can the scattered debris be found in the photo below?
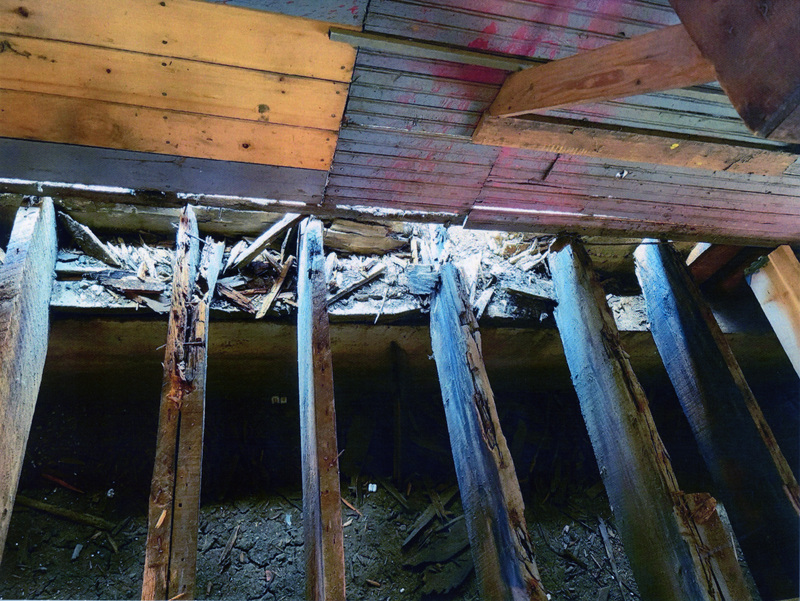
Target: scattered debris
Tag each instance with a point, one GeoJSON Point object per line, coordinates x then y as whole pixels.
{"type": "Point", "coordinates": [425, 518]}
{"type": "Point", "coordinates": [260, 243]}
{"type": "Point", "coordinates": [229, 546]}
{"type": "Point", "coordinates": [77, 551]}
{"type": "Point", "coordinates": [276, 288]}
{"type": "Point", "coordinates": [88, 242]}
{"type": "Point", "coordinates": [374, 273]}
{"type": "Point", "coordinates": [236, 298]}
{"type": "Point", "coordinates": [422, 279]}
{"type": "Point", "coordinates": [75, 516]}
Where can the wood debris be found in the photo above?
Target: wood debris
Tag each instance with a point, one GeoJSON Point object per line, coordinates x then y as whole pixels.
{"type": "Point", "coordinates": [75, 516]}
{"type": "Point", "coordinates": [236, 298]}
{"type": "Point", "coordinates": [276, 288]}
{"type": "Point", "coordinates": [88, 242]}
{"type": "Point", "coordinates": [260, 243]}
{"type": "Point", "coordinates": [363, 238]}
{"type": "Point", "coordinates": [374, 273]}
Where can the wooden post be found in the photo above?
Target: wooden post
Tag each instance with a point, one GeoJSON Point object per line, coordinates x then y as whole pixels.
{"type": "Point", "coordinates": [667, 535]}
{"type": "Point", "coordinates": [752, 477]}
{"type": "Point", "coordinates": [501, 547]}
{"type": "Point", "coordinates": [171, 547]}
{"type": "Point", "coordinates": [776, 285]}
{"type": "Point", "coordinates": [26, 279]}
{"type": "Point", "coordinates": [322, 513]}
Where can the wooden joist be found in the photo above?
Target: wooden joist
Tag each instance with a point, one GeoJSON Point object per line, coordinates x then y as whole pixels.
{"type": "Point", "coordinates": [322, 513]}
{"type": "Point", "coordinates": [665, 538]}
{"type": "Point", "coordinates": [753, 479]}
{"type": "Point", "coordinates": [26, 277]}
{"type": "Point", "coordinates": [568, 136]}
{"type": "Point", "coordinates": [753, 47]}
{"type": "Point", "coordinates": [493, 508]}
{"type": "Point", "coordinates": [661, 60]}
{"type": "Point", "coordinates": [776, 285]}
{"type": "Point", "coordinates": [171, 547]}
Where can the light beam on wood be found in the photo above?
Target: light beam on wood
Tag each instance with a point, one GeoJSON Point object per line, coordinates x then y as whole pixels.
{"type": "Point", "coordinates": [322, 513]}
{"type": "Point", "coordinates": [660, 60]}
{"type": "Point", "coordinates": [26, 278]}
{"type": "Point", "coordinates": [171, 547]}
{"type": "Point", "coordinates": [493, 508]}
{"type": "Point", "coordinates": [753, 479]}
{"type": "Point", "coordinates": [776, 285]}
{"type": "Point", "coordinates": [666, 538]}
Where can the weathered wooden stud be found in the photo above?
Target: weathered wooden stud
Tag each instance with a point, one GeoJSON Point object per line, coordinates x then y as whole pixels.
{"type": "Point", "coordinates": [322, 513]}
{"type": "Point", "coordinates": [171, 547]}
{"type": "Point", "coordinates": [753, 479]}
{"type": "Point", "coordinates": [501, 547]}
{"type": "Point", "coordinates": [776, 285]}
{"type": "Point", "coordinates": [26, 278]}
{"type": "Point", "coordinates": [675, 542]}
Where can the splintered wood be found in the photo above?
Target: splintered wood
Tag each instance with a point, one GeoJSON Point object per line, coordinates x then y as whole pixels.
{"type": "Point", "coordinates": [171, 548]}
{"type": "Point", "coordinates": [322, 512]}
{"type": "Point", "coordinates": [26, 278]}
{"type": "Point", "coordinates": [672, 557]}
{"type": "Point", "coordinates": [753, 479]}
{"type": "Point", "coordinates": [501, 546]}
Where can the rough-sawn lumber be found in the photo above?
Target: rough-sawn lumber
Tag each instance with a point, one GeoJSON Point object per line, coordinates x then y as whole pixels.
{"type": "Point", "coordinates": [26, 278]}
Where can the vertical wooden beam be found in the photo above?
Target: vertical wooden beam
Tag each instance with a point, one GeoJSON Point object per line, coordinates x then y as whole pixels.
{"type": "Point", "coordinates": [322, 514]}
{"type": "Point", "coordinates": [189, 463]}
{"type": "Point", "coordinates": [667, 536]}
{"type": "Point", "coordinates": [776, 285]}
{"type": "Point", "coordinates": [26, 279]}
{"type": "Point", "coordinates": [752, 477]}
{"type": "Point", "coordinates": [171, 547]}
{"type": "Point", "coordinates": [501, 547]}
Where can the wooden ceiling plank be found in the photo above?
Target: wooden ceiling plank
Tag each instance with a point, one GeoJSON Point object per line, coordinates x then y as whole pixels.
{"type": "Point", "coordinates": [661, 60]}
{"type": "Point", "coordinates": [187, 29]}
{"type": "Point", "coordinates": [94, 73]}
{"type": "Point", "coordinates": [754, 49]}
{"type": "Point", "coordinates": [92, 123]}
{"type": "Point", "coordinates": [661, 148]}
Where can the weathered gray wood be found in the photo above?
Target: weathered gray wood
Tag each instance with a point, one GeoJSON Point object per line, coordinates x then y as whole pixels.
{"type": "Point", "coordinates": [668, 552]}
{"type": "Point", "coordinates": [753, 479]}
{"type": "Point", "coordinates": [260, 243]}
{"type": "Point", "coordinates": [322, 513]}
{"type": "Point", "coordinates": [189, 462]}
{"type": "Point", "coordinates": [85, 239]}
{"type": "Point", "coordinates": [26, 278]}
{"type": "Point", "coordinates": [501, 546]}
{"type": "Point", "coordinates": [158, 548]}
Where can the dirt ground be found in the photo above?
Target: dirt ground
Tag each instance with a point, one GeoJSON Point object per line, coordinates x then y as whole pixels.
{"type": "Point", "coordinates": [266, 560]}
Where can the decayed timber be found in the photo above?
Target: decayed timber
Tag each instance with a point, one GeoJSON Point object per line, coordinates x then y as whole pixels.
{"type": "Point", "coordinates": [265, 239]}
{"type": "Point", "coordinates": [493, 508]}
{"type": "Point", "coordinates": [754, 49]}
{"type": "Point", "coordinates": [776, 285]}
{"type": "Point", "coordinates": [189, 463]}
{"type": "Point", "coordinates": [537, 132]}
{"type": "Point", "coordinates": [26, 277]}
{"type": "Point", "coordinates": [753, 479]}
{"type": "Point", "coordinates": [90, 243]}
{"type": "Point", "coordinates": [171, 547]}
{"type": "Point", "coordinates": [660, 60]}
{"type": "Point", "coordinates": [322, 513]}
{"type": "Point", "coordinates": [669, 551]}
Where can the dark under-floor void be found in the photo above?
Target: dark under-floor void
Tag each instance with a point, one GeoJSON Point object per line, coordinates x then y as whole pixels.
{"type": "Point", "coordinates": [93, 438]}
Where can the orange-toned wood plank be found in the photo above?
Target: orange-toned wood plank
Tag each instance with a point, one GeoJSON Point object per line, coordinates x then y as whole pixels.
{"type": "Point", "coordinates": [661, 60]}
{"type": "Point", "coordinates": [93, 73]}
{"type": "Point", "coordinates": [644, 147]}
{"type": "Point", "coordinates": [755, 51]}
{"type": "Point", "coordinates": [188, 29]}
{"type": "Point", "coordinates": [91, 123]}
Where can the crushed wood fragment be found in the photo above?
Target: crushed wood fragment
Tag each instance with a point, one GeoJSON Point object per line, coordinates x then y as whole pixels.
{"type": "Point", "coordinates": [260, 243]}
{"type": "Point", "coordinates": [374, 583]}
{"type": "Point", "coordinates": [235, 298]}
{"type": "Point", "coordinates": [426, 516]}
{"type": "Point", "coordinates": [483, 301]}
{"type": "Point", "coordinates": [75, 516]}
{"type": "Point", "coordinates": [276, 288]}
{"type": "Point", "coordinates": [236, 250]}
{"type": "Point", "coordinates": [363, 238]}
{"type": "Point", "coordinates": [351, 506]}
{"type": "Point", "coordinates": [373, 274]}
{"type": "Point", "coordinates": [88, 242]}
{"type": "Point", "coordinates": [229, 546]}
{"type": "Point", "coordinates": [422, 279]}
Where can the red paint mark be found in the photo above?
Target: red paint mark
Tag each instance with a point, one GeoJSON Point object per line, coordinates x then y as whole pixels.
{"type": "Point", "coordinates": [479, 43]}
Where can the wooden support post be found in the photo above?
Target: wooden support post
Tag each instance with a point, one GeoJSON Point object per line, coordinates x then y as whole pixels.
{"type": "Point", "coordinates": [776, 285]}
{"type": "Point", "coordinates": [322, 513]}
{"type": "Point", "coordinates": [753, 479]}
{"type": "Point", "coordinates": [501, 547]}
{"type": "Point", "coordinates": [26, 278]}
{"type": "Point", "coordinates": [666, 534]}
{"type": "Point", "coordinates": [171, 548]}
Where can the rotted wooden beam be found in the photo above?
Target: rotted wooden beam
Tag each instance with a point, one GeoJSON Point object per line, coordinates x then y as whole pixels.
{"type": "Point", "coordinates": [675, 542]}
{"type": "Point", "coordinates": [753, 479]}
{"type": "Point", "coordinates": [501, 547]}
{"type": "Point", "coordinates": [322, 513]}
{"type": "Point", "coordinates": [26, 280]}
{"type": "Point", "coordinates": [171, 547]}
